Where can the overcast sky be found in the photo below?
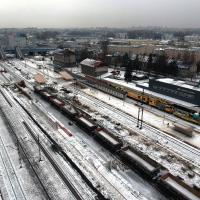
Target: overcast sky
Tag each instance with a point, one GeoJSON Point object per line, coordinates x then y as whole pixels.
{"type": "Point", "coordinates": [99, 13]}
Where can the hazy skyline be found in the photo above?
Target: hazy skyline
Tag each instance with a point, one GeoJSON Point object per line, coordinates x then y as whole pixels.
{"type": "Point", "coordinates": [99, 13]}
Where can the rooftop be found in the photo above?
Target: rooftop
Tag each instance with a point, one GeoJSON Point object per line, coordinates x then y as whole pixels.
{"type": "Point", "coordinates": [91, 62]}
{"type": "Point", "coordinates": [178, 83]}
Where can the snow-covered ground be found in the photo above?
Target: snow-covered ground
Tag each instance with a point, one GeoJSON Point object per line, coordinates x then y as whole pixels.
{"type": "Point", "coordinates": [91, 164]}
{"type": "Point", "coordinates": [139, 184]}
{"type": "Point", "coordinates": [160, 122]}
{"type": "Point", "coordinates": [154, 149]}
{"type": "Point", "coordinates": [109, 182]}
{"type": "Point", "coordinates": [28, 181]}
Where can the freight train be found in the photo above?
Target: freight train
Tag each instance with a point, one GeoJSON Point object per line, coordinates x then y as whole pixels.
{"type": "Point", "coordinates": [150, 169]}
{"type": "Point", "coordinates": [188, 114]}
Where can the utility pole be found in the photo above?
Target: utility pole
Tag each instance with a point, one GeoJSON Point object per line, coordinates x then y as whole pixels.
{"type": "Point", "coordinates": [140, 117]}
{"type": "Point", "coordinates": [140, 112]}
{"type": "Point", "coordinates": [39, 150]}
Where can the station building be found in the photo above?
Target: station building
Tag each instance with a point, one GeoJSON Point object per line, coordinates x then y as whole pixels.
{"type": "Point", "coordinates": [176, 89]}
{"type": "Point", "coordinates": [93, 67]}
{"type": "Point", "coordinates": [64, 58]}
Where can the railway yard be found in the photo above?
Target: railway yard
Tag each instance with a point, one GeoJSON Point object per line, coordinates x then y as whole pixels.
{"type": "Point", "coordinates": [72, 140]}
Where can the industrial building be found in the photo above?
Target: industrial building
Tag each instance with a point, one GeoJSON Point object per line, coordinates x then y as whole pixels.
{"type": "Point", "coordinates": [176, 89]}
{"type": "Point", "coordinates": [93, 67]}
{"type": "Point", "coordinates": [64, 58]}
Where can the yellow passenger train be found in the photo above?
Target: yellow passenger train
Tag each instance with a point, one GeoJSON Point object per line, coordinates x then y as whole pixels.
{"type": "Point", "coordinates": [188, 114]}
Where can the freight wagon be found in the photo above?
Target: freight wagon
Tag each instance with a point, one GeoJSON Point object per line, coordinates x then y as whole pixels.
{"type": "Point", "coordinates": [111, 141]}
{"type": "Point", "coordinates": [45, 95]}
{"type": "Point", "coordinates": [56, 102]}
{"type": "Point", "coordinates": [38, 89]}
{"type": "Point", "coordinates": [141, 162]}
{"type": "Point", "coordinates": [86, 123]}
{"type": "Point", "coordinates": [69, 111]}
{"type": "Point", "coordinates": [177, 188]}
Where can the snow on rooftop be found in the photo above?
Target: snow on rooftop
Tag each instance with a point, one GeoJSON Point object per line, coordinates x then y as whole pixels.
{"type": "Point", "coordinates": [91, 62]}
{"type": "Point", "coordinates": [178, 83]}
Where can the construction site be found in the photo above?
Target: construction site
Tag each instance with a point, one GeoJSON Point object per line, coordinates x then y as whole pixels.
{"type": "Point", "coordinates": [66, 135]}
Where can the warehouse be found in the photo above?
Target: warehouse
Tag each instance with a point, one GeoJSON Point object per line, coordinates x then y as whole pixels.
{"type": "Point", "coordinates": [176, 89]}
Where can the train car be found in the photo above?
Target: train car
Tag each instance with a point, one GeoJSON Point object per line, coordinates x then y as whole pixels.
{"type": "Point", "coordinates": [177, 188]}
{"type": "Point", "coordinates": [56, 102]}
{"type": "Point", "coordinates": [69, 111]}
{"type": "Point", "coordinates": [21, 85]}
{"type": "Point", "coordinates": [141, 162]}
{"type": "Point", "coordinates": [152, 101]}
{"type": "Point", "coordinates": [45, 95]}
{"type": "Point", "coordinates": [86, 123]}
{"type": "Point", "coordinates": [38, 89]}
{"type": "Point", "coordinates": [138, 96]}
{"type": "Point", "coordinates": [188, 114]}
{"type": "Point", "coordinates": [170, 107]}
{"type": "Point", "coordinates": [108, 139]}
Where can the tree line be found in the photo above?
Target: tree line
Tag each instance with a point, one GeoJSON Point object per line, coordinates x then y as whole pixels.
{"type": "Point", "coordinates": [157, 64]}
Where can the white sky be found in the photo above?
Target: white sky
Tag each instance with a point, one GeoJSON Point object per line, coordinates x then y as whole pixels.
{"type": "Point", "coordinates": [99, 13]}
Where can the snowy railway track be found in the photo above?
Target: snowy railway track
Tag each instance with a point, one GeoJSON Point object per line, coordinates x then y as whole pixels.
{"type": "Point", "coordinates": [16, 191]}
{"type": "Point", "coordinates": [74, 194]}
{"type": "Point", "coordinates": [16, 76]}
{"type": "Point", "coordinates": [27, 158]}
{"type": "Point", "coordinates": [184, 150]}
{"type": "Point", "coordinates": [28, 125]}
{"type": "Point", "coordinates": [99, 196]}
{"type": "Point", "coordinates": [58, 169]}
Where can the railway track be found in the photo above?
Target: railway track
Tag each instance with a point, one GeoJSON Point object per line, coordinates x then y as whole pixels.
{"type": "Point", "coordinates": [17, 78]}
{"type": "Point", "coordinates": [28, 123]}
{"type": "Point", "coordinates": [100, 196]}
{"type": "Point", "coordinates": [183, 149]}
{"type": "Point", "coordinates": [54, 163]}
{"type": "Point", "coordinates": [58, 169]}
{"type": "Point", "coordinates": [27, 158]}
{"type": "Point", "coordinates": [16, 191]}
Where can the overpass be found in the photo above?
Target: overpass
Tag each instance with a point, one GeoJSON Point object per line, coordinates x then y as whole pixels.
{"type": "Point", "coordinates": [32, 50]}
{"type": "Point", "coordinates": [2, 54]}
